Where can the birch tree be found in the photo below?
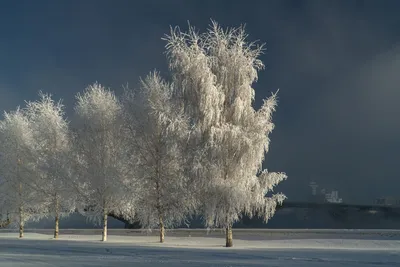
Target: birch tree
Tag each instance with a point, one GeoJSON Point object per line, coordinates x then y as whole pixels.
{"type": "Point", "coordinates": [213, 75]}
{"type": "Point", "coordinates": [158, 131]}
{"type": "Point", "coordinates": [17, 169]}
{"type": "Point", "coordinates": [102, 152]}
{"type": "Point", "coordinates": [52, 146]}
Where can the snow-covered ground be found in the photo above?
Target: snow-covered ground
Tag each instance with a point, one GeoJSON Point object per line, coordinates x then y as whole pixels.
{"type": "Point", "coordinates": [285, 248]}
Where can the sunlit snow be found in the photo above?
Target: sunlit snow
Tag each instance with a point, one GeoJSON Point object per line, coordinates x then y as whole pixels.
{"type": "Point", "coordinates": [196, 248]}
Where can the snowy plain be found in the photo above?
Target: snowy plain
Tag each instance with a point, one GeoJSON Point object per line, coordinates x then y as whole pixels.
{"type": "Point", "coordinates": [252, 247]}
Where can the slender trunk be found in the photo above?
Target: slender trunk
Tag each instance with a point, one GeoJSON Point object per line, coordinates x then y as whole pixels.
{"type": "Point", "coordinates": [56, 226]}
{"type": "Point", "coordinates": [57, 219]}
{"type": "Point", "coordinates": [229, 237]}
{"type": "Point", "coordinates": [162, 230]}
{"type": "Point", "coordinates": [21, 213]}
{"type": "Point", "coordinates": [105, 217]}
{"type": "Point", "coordinates": [21, 222]}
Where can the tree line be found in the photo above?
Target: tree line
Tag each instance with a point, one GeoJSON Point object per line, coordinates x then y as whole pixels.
{"type": "Point", "coordinates": [157, 154]}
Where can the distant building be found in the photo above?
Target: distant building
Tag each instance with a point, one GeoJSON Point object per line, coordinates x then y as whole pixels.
{"type": "Point", "coordinates": [333, 197]}
{"type": "Point", "coordinates": [323, 195]}
{"type": "Point", "coordinates": [388, 201]}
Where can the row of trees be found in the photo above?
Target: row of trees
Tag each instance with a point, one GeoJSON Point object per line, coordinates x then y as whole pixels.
{"type": "Point", "coordinates": [158, 154]}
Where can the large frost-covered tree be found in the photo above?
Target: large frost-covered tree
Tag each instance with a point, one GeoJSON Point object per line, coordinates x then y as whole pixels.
{"type": "Point", "coordinates": [18, 170]}
{"type": "Point", "coordinates": [102, 152]}
{"type": "Point", "coordinates": [213, 75]}
{"type": "Point", "coordinates": [158, 132]}
{"type": "Point", "coordinates": [52, 147]}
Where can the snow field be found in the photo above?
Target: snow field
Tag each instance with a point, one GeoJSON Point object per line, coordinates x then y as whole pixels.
{"type": "Point", "coordinates": [135, 249]}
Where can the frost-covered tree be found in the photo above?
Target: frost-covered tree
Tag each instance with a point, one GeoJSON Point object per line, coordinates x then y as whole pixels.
{"type": "Point", "coordinates": [102, 154]}
{"type": "Point", "coordinates": [52, 147]}
{"type": "Point", "coordinates": [213, 75]}
{"type": "Point", "coordinates": [158, 132]}
{"type": "Point", "coordinates": [17, 169]}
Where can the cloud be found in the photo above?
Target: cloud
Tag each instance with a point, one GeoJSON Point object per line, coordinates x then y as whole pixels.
{"type": "Point", "coordinates": [337, 116]}
{"type": "Point", "coordinates": [366, 103]}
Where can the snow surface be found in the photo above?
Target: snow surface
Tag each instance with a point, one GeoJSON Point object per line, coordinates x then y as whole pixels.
{"type": "Point", "coordinates": [196, 248]}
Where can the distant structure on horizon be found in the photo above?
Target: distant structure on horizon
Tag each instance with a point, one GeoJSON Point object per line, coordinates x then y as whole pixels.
{"type": "Point", "coordinates": [387, 201]}
{"type": "Point", "coordinates": [323, 196]}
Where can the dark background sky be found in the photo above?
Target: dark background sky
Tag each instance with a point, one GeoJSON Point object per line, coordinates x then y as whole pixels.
{"type": "Point", "coordinates": [336, 63]}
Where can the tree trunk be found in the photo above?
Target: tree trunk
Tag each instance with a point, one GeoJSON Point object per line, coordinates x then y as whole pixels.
{"type": "Point", "coordinates": [21, 213]}
{"type": "Point", "coordinates": [162, 230]}
{"type": "Point", "coordinates": [21, 222]}
{"type": "Point", "coordinates": [229, 237]}
{"type": "Point", "coordinates": [56, 226]}
{"type": "Point", "coordinates": [105, 217]}
{"type": "Point", "coordinates": [57, 219]}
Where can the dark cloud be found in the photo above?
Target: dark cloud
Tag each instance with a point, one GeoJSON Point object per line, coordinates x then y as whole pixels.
{"type": "Point", "coordinates": [335, 62]}
{"type": "Point", "coordinates": [336, 120]}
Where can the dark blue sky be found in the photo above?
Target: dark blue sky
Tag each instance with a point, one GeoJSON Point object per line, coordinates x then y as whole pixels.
{"type": "Point", "coordinates": [336, 63]}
